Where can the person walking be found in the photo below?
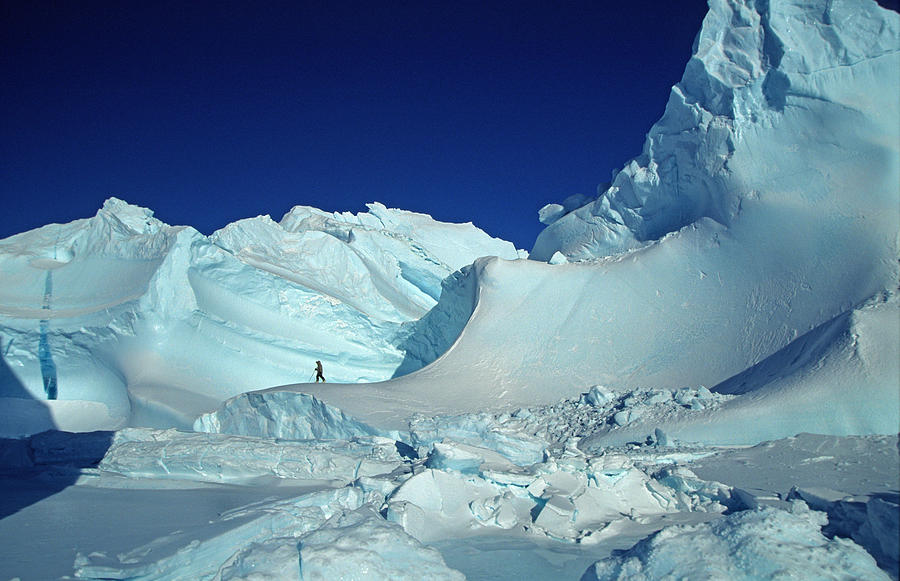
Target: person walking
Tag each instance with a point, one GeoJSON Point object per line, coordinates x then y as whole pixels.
{"type": "Point", "coordinates": [319, 374]}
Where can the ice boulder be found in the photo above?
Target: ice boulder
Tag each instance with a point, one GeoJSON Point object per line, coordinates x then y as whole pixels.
{"type": "Point", "coordinates": [873, 521]}
{"type": "Point", "coordinates": [435, 504]}
{"type": "Point", "coordinates": [480, 430]}
{"type": "Point", "coordinates": [351, 545]}
{"type": "Point", "coordinates": [361, 545]}
{"type": "Point", "coordinates": [880, 533]}
{"type": "Point", "coordinates": [266, 560]}
{"type": "Point", "coordinates": [466, 459]}
{"type": "Point", "coordinates": [599, 396]}
{"type": "Point", "coordinates": [175, 455]}
{"type": "Point", "coordinates": [568, 497]}
{"type": "Point", "coordinates": [558, 258]}
{"type": "Point", "coordinates": [755, 544]}
{"type": "Point", "coordinates": [284, 414]}
{"type": "Point", "coordinates": [551, 213]}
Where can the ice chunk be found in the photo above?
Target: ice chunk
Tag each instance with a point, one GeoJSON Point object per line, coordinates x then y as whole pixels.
{"type": "Point", "coordinates": [685, 396]}
{"type": "Point", "coordinates": [660, 437]}
{"type": "Point", "coordinates": [558, 258]}
{"type": "Point", "coordinates": [551, 213]}
{"type": "Point", "coordinates": [171, 454]}
{"type": "Point", "coordinates": [753, 544]}
{"type": "Point", "coordinates": [448, 455]}
{"type": "Point", "coordinates": [871, 521]}
{"type": "Point", "coordinates": [284, 414]}
{"type": "Point", "coordinates": [361, 544]}
{"type": "Point", "coordinates": [268, 560]}
{"type": "Point", "coordinates": [481, 430]}
{"type": "Point", "coordinates": [563, 482]}
{"type": "Point", "coordinates": [628, 415]}
{"type": "Point", "coordinates": [433, 502]}
{"type": "Point", "coordinates": [880, 533]}
{"type": "Point", "coordinates": [499, 510]}
{"type": "Point", "coordinates": [565, 497]}
{"type": "Point", "coordinates": [696, 493]}
{"type": "Point", "coordinates": [557, 517]}
{"type": "Point", "coordinates": [599, 396]}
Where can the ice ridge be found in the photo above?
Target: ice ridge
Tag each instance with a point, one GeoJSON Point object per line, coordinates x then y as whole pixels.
{"type": "Point", "coordinates": [753, 64]}
{"type": "Point", "coordinates": [132, 316]}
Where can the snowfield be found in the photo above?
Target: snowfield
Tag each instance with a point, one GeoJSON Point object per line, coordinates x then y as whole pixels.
{"type": "Point", "coordinates": [694, 374]}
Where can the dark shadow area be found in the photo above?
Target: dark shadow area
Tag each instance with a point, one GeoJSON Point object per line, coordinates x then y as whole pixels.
{"type": "Point", "coordinates": [890, 4]}
{"type": "Point", "coordinates": [41, 465]}
{"type": "Point", "coordinates": [423, 341]}
{"type": "Point", "coordinates": [892, 496]}
{"type": "Point", "coordinates": [803, 352]}
{"type": "Point", "coordinates": [406, 451]}
{"type": "Point", "coordinates": [853, 520]}
{"type": "Point", "coordinates": [37, 466]}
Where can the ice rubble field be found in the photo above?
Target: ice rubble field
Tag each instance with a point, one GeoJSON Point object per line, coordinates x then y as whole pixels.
{"type": "Point", "coordinates": [695, 376]}
{"type": "Point", "coordinates": [183, 505]}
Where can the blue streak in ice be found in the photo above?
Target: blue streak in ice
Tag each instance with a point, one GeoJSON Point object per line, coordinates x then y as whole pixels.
{"type": "Point", "coordinates": [48, 367]}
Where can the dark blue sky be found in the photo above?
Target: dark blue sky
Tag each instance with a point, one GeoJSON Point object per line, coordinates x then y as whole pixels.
{"type": "Point", "coordinates": [207, 112]}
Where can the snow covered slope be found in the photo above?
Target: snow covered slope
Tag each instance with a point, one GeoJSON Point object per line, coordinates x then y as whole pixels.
{"type": "Point", "coordinates": [764, 206]}
{"type": "Point", "coordinates": [120, 318]}
{"type": "Point", "coordinates": [841, 378]}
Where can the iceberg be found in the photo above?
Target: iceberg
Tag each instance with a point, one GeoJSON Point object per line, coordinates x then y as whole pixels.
{"type": "Point", "coordinates": [777, 103]}
{"type": "Point", "coordinates": [135, 322]}
{"type": "Point", "coordinates": [629, 403]}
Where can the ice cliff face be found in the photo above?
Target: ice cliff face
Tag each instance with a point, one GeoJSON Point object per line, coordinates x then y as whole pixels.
{"type": "Point", "coordinates": [140, 321]}
{"type": "Point", "coordinates": [387, 264]}
{"type": "Point", "coordinates": [778, 96]}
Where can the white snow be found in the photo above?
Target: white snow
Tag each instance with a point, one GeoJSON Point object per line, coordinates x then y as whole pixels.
{"type": "Point", "coordinates": [696, 376]}
{"type": "Point", "coordinates": [761, 544]}
{"type": "Point", "coordinates": [362, 545]}
{"type": "Point", "coordinates": [181, 555]}
{"type": "Point", "coordinates": [841, 378]}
